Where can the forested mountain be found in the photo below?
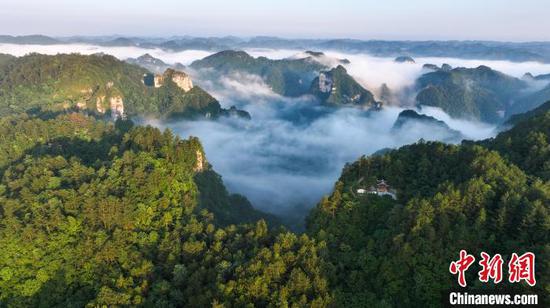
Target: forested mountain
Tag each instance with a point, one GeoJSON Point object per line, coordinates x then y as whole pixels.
{"type": "Point", "coordinates": [5, 59]}
{"type": "Point", "coordinates": [287, 77]}
{"type": "Point", "coordinates": [96, 213]}
{"type": "Point", "coordinates": [480, 93]}
{"type": "Point", "coordinates": [396, 253]}
{"type": "Point", "coordinates": [490, 50]}
{"type": "Point", "coordinates": [337, 88]}
{"type": "Point", "coordinates": [527, 144]}
{"type": "Point", "coordinates": [295, 76]}
{"type": "Point", "coordinates": [410, 120]}
{"type": "Point", "coordinates": [106, 213]}
{"type": "Point", "coordinates": [29, 39]}
{"type": "Point", "coordinates": [99, 214]}
{"type": "Point", "coordinates": [531, 100]}
{"type": "Point", "coordinates": [404, 59]}
{"type": "Point", "coordinates": [100, 84]}
{"type": "Point", "coordinates": [151, 63]}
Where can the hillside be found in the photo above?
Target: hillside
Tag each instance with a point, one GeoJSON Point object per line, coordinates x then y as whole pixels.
{"type": "Point", "coordinates": [28, 39]}
{"type": "Point", "coordinates": [409, 120]}
{"type": "Point", "coordinates": [287, 77]}
{"type": "Point", "coordinates": [96, 212]}
{"type": "Point", "coordinates": [337, 88]}
{"type": "Point", "coordinates": [477, 93]}
{"type": "Point", "coordinates": [99, 214]}
{"type": "Point", "coordinates": [396, 253]}
{"type": "Point", "coordinates": [527, 143]}
{"type": "Point", "coordinates": [100, 84]}
{"type": "Point", "coordinates": [5, 59]}
{"type": "Point", "coordinates": [531, 101]}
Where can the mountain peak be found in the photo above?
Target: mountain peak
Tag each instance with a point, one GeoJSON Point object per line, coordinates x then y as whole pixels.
{"type": "Point", "coordinates": [404, 59]}
{"type": "Point", "coordinates": [336, 87]}
{"type": "Point", "coordinates": [410, 117]}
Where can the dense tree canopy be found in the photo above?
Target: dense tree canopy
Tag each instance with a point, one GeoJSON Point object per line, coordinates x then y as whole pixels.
{"type": "Point", "coordinates": [89, 82]}
{"type": "Point", "coordinates": [396, 253]}
{"type": "Point", "coordinates": [97, 214]}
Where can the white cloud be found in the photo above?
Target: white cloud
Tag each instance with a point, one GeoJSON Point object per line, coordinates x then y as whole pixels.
{"type": "Point", "coordinates": [123, 53]}
{"type": "Point", "coordinates": [280, 159]}
{"type": "Point", "coordinates": [293, 150]}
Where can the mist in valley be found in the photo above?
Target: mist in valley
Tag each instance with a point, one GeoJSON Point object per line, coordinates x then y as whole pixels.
{"type": "Point", "coordinates": [293, 149]}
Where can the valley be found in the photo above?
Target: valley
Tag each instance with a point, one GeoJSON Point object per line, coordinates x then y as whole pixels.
{"type": "Point", "coordinates": [196, 172]}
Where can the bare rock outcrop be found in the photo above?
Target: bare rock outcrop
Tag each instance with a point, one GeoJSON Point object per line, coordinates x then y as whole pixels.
{"type": "Point", "coordinates": [159, 80]}
{"type": "Point", "coordinates": [181, 79]}
{"type": "Point", "coordinates": [199, 165]}
{"type": "Point", "coordinates": [99, 103]}
{"type": "Point", "coordinates": [117, 107]}
{"type": "Point", "coordinates": [325, 83]}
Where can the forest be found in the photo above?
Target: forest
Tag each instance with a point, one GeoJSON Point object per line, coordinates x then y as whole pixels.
{"type": "Point", "coordinates": [101, 213]}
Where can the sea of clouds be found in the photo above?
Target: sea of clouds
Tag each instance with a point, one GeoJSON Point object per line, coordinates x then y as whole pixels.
{"type": "Point", "coordinates": [293, 150]}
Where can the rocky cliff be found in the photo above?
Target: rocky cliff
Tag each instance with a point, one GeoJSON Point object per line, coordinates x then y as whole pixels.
{"type": "Point", "coordinates": [181, 79]}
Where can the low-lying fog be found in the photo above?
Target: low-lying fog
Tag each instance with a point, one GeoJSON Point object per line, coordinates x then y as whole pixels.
{"type": "Point", "coordinates": [285, 157]}
{"type": "Point", "coordinates": [292, 151]}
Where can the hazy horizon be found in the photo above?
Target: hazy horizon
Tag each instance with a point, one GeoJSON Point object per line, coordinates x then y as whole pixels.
{"type": "Point", "coordinates": [391, 20]}
{"type": "Point", "coordinates": [243, 37]}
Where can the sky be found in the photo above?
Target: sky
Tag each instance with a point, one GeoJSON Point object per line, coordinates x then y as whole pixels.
{"type": "Point", "coordinates": [503, 20]}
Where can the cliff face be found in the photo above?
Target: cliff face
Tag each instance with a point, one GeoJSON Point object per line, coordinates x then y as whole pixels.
{"type": "Point", "coordinates": [200, 163]}
{"type": "Point", "coordinates": [159, 80]}
{"type": "Point", "coordinates": [325, 83]}
{"type": "Point", "coordinates": [181, 79]}
{"type": "Point", "coordinates": [117, 107]}
{"type": "Point", "coordinates": [337, 88]}
{"type": "Point", "coordinates": [99, 104]}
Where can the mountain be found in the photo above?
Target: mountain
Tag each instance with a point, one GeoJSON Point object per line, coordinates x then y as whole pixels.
{"type": "Point", "coordinates": [386, 95]}
{"type": "Point", "coordinates": [337, 88]}
{"type": "Point", "coordinates": [119, 42]}
{"type": "Point", "coordinates": [322, 58]}
{"type": "Point", "coordinates": [517, 118]}
{"type": "Point", "coordinates": [5, 59]}
{"type": "Point", "coordinates": [212, 44]}
{"type": "Point", "coordinates": [492, 196]}
{"type": "Point", "coordinates": [95, 213]}
{"type": "Point", "coordinates": [28, 39]}
{"type": "Point", "coordinates": [408, 120]}
{"type": "Point", "coordinates": [531, 100]}
{"type": "Point", "coordinates": [102, 213]}
{"type": "Point", "coordinates": [100, 84]}
{"type": "Point", "coordinates": [488, 50]}
{"type": "Point", "coordinates": [404, 59]}
{"type": "Point", "coordinates": [527, 143]}
{"type": "Point", "coordinates": [287, 77]}
{"type": "Point", "coordinates": [429, 66]}
{"type": "Point", "coordinates": [151, 63]}
{"type": "Point", "coordinates": [479, 93]}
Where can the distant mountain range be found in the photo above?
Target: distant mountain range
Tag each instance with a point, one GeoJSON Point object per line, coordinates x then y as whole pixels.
{"type": "Point", "coordinates": [473, 93]}
{"type": "Point", "coordinates": [490, 50]}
